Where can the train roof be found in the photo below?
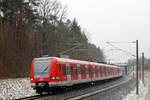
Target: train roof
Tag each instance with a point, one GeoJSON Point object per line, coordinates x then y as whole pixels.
{"type": "Point", "coordinates": [81, 62]}
{"type": "Point", "coordinates": [73, 61]}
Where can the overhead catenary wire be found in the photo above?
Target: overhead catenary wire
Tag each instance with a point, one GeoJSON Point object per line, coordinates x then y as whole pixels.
{"type": "Point", "coordinates": [121, 49]}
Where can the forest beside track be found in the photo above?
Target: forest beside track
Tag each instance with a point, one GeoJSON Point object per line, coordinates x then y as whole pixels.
{"type": "Point", "coordinates": [33, 28]}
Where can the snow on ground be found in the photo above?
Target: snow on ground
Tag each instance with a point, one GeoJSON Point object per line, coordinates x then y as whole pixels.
{"type": "Point", "coordinates": [18, 88]}
{"type": "Point", "coordinates": [147, 84]}
{"type": "Point", "coordinates": [144, 90]}
{"type": "Point", "coordinates": [15, 88]}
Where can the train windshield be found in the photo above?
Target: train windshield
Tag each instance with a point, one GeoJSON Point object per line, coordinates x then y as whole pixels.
{"type": "Point", "coordinates": [42, 68]}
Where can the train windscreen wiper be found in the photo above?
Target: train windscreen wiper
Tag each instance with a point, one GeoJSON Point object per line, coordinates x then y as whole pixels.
{"type": "Point", "coordinates": [44, 70]}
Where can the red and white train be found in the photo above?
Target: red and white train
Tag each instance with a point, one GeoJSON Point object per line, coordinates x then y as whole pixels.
{"type": "Point", "coordinates": [48, 73]}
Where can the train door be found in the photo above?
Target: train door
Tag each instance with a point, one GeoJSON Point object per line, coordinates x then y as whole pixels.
{"type": "Point", "coordinates": [59, 71]}
{"type": "Point", "coordinates": [68, 72]}
{"type": "Point", "coordinates": [96, 71]}
{"type": "Point", "coordinates": [74, 71]}
{"type": "Point", "coordinates": [71, 71]}
{"type": "Point", "coordinates": [115, 71]}
{"type": "Point", "coordinates": [112, 71]}
{"type": "Point", "coordinates": [108, 70]}
{"type": "Point", "coordinates": [79, 71]}
{"type": "Point", "coordinates": [93, 71]}
{"type": "Point", "coordinates": [105, 71]}
{"type": "Point", "coordinates": [89, 72]}
{"type": "Point", "coordinates": [118, 71]}
{"type": "Point", "coordinates": [83, 72]}
{"type": "Point", "coordinates": [64, 72]}
{"type": "Point", "coordinates": [101, 73]}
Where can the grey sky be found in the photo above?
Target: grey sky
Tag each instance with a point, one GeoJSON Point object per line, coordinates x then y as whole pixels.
{"type": "Point", "coordinates": [114, 20]}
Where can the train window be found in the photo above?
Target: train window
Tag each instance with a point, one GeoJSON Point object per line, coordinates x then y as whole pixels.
{"type": "Point", "coordinates": [71, 70]}
{"type": "Point", "coordinates": [64, 70]}
{"type": "Point", "coordinates": [107, 70]}
{"type": "Point", "coordinates": [68, 71]}
{"type": "Point", "coordinates": [76, 71]}
{"type": "Point", "coordinates": [79, 69]}
{"type": "Point", "coordinates": [115, 70]}
{"type": "Point", "coordinates": [84, 70]}
{"type": "Point", "coordinates": [96, 71]}
{"type": "Point", "coordinates": [111, 70]}
{"type": "Point", "coordinates": [90, 70]}
{"type": "Point", "coordinates": [103, 70]}
{"type": "Point", "coordinates": [98, 68]}
{"type": "Point", "coordinates": [59, 67]}
{"type": "Point", "coordinates": [93, 70]}
{"type": "Point", "coordinates": [87, 70]}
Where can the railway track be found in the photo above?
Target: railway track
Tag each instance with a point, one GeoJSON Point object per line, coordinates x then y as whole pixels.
{"type": "Point", "coordinates": [96, 92]}
{"type": "Point", "coordinates": [32, 97]}
{"type": "Point", "coordinates": [82, 93]}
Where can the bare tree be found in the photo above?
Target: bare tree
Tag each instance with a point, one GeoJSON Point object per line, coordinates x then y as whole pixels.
{"type": "Point", "coordinates": [52, 11]}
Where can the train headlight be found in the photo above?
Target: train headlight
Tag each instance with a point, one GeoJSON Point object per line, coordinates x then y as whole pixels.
{"type": "Point", "coordinates": [31, 79]}
{"type": "Point", "coordinates": [52, 78]}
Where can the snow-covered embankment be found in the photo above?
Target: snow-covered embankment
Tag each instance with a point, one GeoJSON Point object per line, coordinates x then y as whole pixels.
{"type": "Point", "coordinates": [15, 88]}
{"type": "Point", "coordinates": [144, 90]}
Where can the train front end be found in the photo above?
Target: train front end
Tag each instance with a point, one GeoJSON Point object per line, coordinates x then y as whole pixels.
{"type": "Point", "coordinates": [40, 74]}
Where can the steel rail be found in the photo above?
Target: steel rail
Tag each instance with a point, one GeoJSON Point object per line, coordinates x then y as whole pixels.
{"type": "Point", "coordinates": [96, 92]}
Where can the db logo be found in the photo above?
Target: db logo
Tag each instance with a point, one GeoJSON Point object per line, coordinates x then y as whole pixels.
{"type": "Point", "coordinates": [41, 79]}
